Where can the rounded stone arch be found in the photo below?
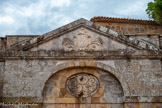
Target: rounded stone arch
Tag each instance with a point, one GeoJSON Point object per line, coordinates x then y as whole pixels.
{"type": "Point", "coordinates": [87, 63]}
{"type": "Point", "coordinates": [90, 65]}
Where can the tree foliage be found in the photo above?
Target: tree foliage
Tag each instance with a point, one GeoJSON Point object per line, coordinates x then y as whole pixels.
{"type": "Point", "coordinates": [154, 10]}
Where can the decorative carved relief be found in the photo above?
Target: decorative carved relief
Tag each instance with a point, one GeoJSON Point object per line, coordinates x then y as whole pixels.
{"type": "Point", "coordinates": [82, 41]}
{"type": "Point", "coordinates": [67, 42]}
{"type": "Point", "coordinates": [82, 85]}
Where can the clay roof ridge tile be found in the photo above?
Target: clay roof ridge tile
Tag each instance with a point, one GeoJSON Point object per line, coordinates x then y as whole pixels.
{"type": "Point", "coordinates": [123, 20]}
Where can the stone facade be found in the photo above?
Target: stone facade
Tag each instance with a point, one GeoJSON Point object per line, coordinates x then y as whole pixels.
{"type": "Point", "coordinates": [81, 65]}
{"type": "Point", "coordinates": [129, 26]}
{"type": "Point", "coordinates": [147, 31]}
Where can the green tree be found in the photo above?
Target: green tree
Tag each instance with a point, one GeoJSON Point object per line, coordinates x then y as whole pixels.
{"type": "Point", "coordinates": [154, 10]}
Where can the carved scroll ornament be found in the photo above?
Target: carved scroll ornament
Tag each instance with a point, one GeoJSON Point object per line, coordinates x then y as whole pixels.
{"type": "Point", "coordinates": [82, 41]}
{"type": "Point", "coordinates": [82, 85]}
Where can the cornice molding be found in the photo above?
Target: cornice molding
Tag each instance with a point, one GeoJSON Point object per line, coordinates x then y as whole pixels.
{"type": "Point", "coordinates": [103, 55]}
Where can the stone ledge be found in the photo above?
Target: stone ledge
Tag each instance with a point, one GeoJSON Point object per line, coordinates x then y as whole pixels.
{"type": "Point", "coordinates": [118, 54]}
{"type": "Point", "coordinates": [146, 99]}
{"type": "Point", "coordinates": [21, 99]}
{"type": "Point", "coordinates": [128, 99]}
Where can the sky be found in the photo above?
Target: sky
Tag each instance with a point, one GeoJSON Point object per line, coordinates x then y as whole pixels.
{"type": "Point", "coordinates": [36, 17]}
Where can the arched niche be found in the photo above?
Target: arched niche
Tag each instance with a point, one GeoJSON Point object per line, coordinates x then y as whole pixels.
{"type": "Point", "coordinates": [110, 89]}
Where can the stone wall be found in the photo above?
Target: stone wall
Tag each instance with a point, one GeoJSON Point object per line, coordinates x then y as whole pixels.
{"type": "Point", "coordinates": [50, 70]}
{"type": "Point", "coordinates": [147, 31]}
{"type": "Point", "coordinates": [129, 26]}
{"type": "Point", "coordinates": [135, 105]}
{"type": "Point", "coordinates": [124, 28]}
{"type": "Point", "coordinates": [1, 79]}
{"type": "Point", "coordinates": [14, 39]}
{"type": "Point", "coordinates": [2, 43]}
{"type": "Point", "coordinates": [154, 39]}
{"type": "Point", "coordinates": [143, 105]}
{"type": "Point", "coordinates": [139, 78]}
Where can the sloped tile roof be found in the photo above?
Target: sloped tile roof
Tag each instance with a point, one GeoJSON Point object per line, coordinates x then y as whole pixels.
{"type": "Point", "coordinates": [123, 20]}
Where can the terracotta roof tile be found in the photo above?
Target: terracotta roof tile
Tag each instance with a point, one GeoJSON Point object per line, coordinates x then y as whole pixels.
{"type": "Point", "coordinates": [123, 20]}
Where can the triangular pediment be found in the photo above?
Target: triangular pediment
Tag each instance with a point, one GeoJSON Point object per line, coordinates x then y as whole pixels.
{"type": "Point", "coordinates": [81, 35]}
{"type": "Point", "coordinates": [81, 39]}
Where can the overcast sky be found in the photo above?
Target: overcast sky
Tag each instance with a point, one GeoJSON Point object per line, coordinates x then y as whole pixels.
{"type": "Point", "coordinates": [36, 17]}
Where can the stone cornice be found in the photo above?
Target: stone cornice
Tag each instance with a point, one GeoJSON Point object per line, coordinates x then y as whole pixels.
{"type": "Point", "coordinates": [63, 55]}
{"type": "Point", "coordinates": [127, 99]}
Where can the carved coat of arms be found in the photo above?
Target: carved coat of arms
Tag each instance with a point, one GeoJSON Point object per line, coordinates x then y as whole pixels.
{"type": "Point", "coordinates": [82, 41]}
